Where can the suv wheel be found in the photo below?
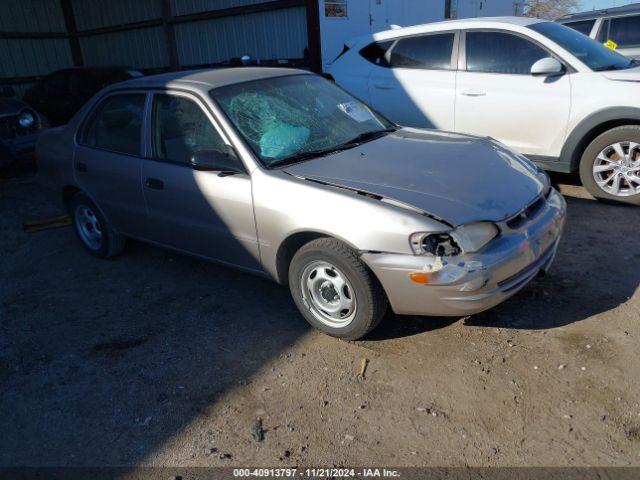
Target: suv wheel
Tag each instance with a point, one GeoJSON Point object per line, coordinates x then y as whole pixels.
{"type": "Point", "coordinates": [334, 290]}
{"type": "Point", "coordinates": [610, 166]}
{"type": "Point", "coordinates": [93, 230]}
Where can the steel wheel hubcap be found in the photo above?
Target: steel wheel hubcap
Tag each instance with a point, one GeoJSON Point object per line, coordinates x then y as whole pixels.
{"type": "Point", "coordinates": [617, 169]}
{"type": "Point", "coordinates": [328, 294]}
{"type": "Point", "coordinates": [88, 227]}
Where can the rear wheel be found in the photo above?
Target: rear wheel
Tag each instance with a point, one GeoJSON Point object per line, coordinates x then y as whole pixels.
{"type": "Point", "coordinates": [94, 231]}
{"type": "Point", "coordinates": [610, 165]}
{"type": "Point", "coordinates": [334, 290]}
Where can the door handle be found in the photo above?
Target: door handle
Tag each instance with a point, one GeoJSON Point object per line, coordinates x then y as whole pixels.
{"type": "Point", "coordinates": [154, 183]}
{"type": "Point", "coordinates": [473, 93]}
{"type": "Point", "coordinates": [82, 167]}
{"type": "Point", "coordinates": [383, 86]}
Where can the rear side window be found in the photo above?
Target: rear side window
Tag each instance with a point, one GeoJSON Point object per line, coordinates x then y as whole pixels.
{"type": "Point", "coordinates": [181, 128]}
{"type": "Point", "coordinates": [625, 31]}
{"type": "Point", "coordinates": [116, 124]}
{"type": "Point", "coordinates": [431, 52]}
{"type": "Point", "coordinates": [583, 26]}
{"type": "Point", "coordinates": [498, 52]}
{"type": "Point", "coordinates": [375, 52]}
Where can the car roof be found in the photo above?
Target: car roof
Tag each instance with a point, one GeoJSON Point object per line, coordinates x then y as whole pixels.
{"type": "Point", "coordinates": [605, 12]}
{"type": "Point", "coordinates": [483, 22]}
{"type": "Point", "coordinates": [205, 80]}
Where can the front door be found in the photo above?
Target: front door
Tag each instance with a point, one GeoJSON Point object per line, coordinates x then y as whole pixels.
{"type": "Point", "coordinates": [108, 160]}
{"type": "Point", "coordinates": [201, 212]}
{"type": "Point", "coordinates": [498, 97]}
{"type": "Point", "coordinates": [414, 84]}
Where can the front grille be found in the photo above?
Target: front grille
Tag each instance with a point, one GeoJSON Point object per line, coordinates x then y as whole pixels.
{"type": "Point", "coordinates": [527, 214]}
{"type": "Point", "coordinates": [10, 128]}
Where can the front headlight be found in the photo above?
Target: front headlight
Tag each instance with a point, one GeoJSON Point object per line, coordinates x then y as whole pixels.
{"type": "Point", "coordinates": [465, 238]}
{"type": "Point", "coordinates": [26, 119]}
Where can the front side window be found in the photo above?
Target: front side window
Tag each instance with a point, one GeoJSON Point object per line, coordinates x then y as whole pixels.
{"type": "Point", "coordinates": [583, 26]}
{"type": "Point", "coordinates": [181, 128]}
{"type": "Point", "coordinates": [287, 119]}
{"type": "Point", "coordinates": [375, 52]}
{"type": "Point", "coordinates": [499, 52]}
{"type": "Point", "coordinates": [625, 31]}
{"type": "Point", "coordinates": [593, 54]}
{"type": "Point", "coordinates": [431, 52]}
{"type": "Point", "coordinates": [335, 8]}
{"type": "Point", "coordinates": [116, 124]}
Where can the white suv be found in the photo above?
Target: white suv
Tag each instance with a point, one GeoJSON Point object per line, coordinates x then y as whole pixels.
{"type": "Point", "coordinates": [550, 92]}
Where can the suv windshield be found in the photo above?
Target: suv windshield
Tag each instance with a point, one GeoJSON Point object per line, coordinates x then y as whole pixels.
{"type": "Point", "coordinates": [289, 119]}
{"type": "Point", "coordinates": [593, 54]}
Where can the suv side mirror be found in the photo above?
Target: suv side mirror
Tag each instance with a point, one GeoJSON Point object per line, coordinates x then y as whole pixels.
{"type": "Point", "coordinates": [8, 91]}
{"type": "Point", "coordinates": [547, 67]}
{"type": "Point", "coordinates": [226, 162]}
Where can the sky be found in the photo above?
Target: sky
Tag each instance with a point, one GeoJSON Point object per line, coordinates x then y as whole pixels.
{"type": "Point", "coordinates": [597, 4]}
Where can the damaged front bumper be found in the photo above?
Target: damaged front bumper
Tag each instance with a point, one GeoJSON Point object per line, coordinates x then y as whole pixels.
{"type": "Point", "coordinates": [470, 283]}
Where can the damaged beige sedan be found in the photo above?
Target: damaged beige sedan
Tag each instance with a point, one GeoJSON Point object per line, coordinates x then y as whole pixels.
{"type": "Point", "coordinates": [282, 173]}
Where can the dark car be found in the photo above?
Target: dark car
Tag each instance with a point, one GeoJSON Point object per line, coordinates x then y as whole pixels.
{"type": "Point", "coordinates": [62, 93]}
{"type": "Point", "coordinates": [20, 126]}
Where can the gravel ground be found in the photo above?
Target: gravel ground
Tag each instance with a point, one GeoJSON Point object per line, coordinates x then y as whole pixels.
{"type": "Point", "coordinates": [155, 358]}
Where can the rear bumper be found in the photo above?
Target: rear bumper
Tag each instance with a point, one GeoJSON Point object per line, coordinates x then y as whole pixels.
{"type": "Point", "coordinates": [471, 283]}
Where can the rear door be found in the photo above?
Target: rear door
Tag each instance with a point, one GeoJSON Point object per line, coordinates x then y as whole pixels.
{"type": "Point", "coordinates": [414, 83]}
{"type": "Point", "coordinates": [108, 159]}
{"type": "Point", "coordinates": [201, 212]}
{"type": "Point", "coordinates": [497, 96]}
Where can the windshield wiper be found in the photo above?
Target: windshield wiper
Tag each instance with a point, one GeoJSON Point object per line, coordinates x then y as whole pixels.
{"type": "Point", "coordinates": [368, 136]}
{"type": "Point", "coordinates": [299, 157]}
{"type": "Point", "coordinates": [354, 142]}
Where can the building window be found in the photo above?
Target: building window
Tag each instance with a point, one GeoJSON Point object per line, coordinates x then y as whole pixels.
{"type": "Point", "coordinates": [451, 9]}
{"type": "Point", "coordinates": [335, 8]}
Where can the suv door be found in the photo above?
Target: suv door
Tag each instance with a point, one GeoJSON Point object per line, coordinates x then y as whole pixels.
{"type": "Point", "coordinates": [201, 212]}
{"type": "Point", "coordinates": [497, 96]}
{"type": "Point", "coordinates": [414, 83]}
{"type": "Point", "coordinates": [108, 159]}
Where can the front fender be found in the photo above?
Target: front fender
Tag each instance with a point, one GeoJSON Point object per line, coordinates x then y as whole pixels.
{"type": "Point", "coordinates": [575, 142]}
{"type": "Point", "coordinates": [286, 205]}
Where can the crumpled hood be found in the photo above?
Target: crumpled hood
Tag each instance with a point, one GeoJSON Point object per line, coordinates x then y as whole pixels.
{"type": "Point", "coordinates": [10, 105]}
{"type": "Point", "coordinates": [628, 75]}
{"type": "Point", "coordinates": [458, 178]}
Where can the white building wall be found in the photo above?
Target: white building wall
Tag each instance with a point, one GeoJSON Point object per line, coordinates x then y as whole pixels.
{"type": "Point", "coordinates": [370, 16]}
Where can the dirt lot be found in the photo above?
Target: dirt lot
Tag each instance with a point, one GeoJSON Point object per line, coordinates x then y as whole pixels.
{"type": "Point", "coordinates": [156, 358]}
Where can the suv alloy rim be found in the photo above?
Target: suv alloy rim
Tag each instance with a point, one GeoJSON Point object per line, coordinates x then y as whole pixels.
{"type": "Point", "coordinates": [328, 294]}
{"type": "Point", "coordinates": [617, 169]}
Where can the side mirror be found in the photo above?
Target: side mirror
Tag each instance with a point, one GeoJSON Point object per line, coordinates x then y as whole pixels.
{"type": "Point", "coordinates": [8, 92]}
{"type": "Point", "coordinates": [547, 67]}
{"type": "Point", "coordinates": [226, 162]}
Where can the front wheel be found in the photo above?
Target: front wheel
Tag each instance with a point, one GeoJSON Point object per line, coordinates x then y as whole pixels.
{"type": "Point", "coordinates": [610, 165]}
{"type": "Point", "coordinates": [334, 290]}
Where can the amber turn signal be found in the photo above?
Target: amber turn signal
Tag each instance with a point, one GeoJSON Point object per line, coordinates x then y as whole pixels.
{"type": "Point", "coordinates": [421, 277]}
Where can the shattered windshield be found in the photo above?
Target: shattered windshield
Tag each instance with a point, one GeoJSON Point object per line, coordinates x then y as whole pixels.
{"type": "Point", "coordinates": [291, 118]}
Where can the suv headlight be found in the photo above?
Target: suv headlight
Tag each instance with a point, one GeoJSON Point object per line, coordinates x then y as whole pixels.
{"type": "Point", "coordinates": [465, 238]}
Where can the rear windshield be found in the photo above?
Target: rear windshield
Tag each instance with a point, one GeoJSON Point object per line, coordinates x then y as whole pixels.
{"type": "Point", "coordinates": [593, 54]}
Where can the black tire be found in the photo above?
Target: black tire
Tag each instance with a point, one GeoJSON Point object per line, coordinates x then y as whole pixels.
{"type": "Point", "coordinates": [627, 133]}
{"type": "Point", "coordinates": [111, 243]}
{"type": "Point", "coordinates": [370, 297]}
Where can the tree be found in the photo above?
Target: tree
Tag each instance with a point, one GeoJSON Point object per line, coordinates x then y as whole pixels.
{"type": "Point", "coordinates": [549, 9]}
